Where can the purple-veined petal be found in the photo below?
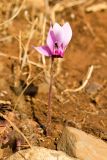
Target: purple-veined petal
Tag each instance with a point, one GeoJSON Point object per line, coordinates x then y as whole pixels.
{"type": "Point", "coordinates": [67, 34]}
{"type": "Point", "coordinates": [59, 32]}
{"type": "Point", "coordinates": [51, 39]}
{"type": "Point", "coordinates": [59, 52]}
{"type": "Point", "coordinates": [44, 50]}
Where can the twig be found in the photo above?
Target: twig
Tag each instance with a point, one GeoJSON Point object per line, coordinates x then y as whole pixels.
{"type": "Point", "coordinates": [46, 73]}
{"type": "Point", "coordinates": [25, 57]}
{"type": "Point", "coordinates": [43, 40]}
{"type": "Point", "coordinates": [26, 14]}
{"type": "Point", "coordinates": [84, 83]}
{"type": "Point", "coordinates": [5, 38]}
{"type": "Point", "coordinates": [20, 47]}
{"type": "Point", "coordinates": [97, 7]}
{"type": "Point", "coordinates": [15, 127]}
{"type": "Point", "coordinates": [17, 58]}
{"type": "Point", "coordinates": [62, 5]}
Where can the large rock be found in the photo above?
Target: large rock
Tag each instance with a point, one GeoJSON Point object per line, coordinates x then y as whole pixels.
{"type": "Point", "coordinates": [79, 144]}
{"type": "Point", "coordinates": [40, 153]}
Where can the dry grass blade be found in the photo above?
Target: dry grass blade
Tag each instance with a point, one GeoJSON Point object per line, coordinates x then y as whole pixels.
{"type": "Point", "coordinates": [20, 47]}
{"type": "Point", "coordinates": [15, 128]}
{"type": "Point", "coordinates": [43, 40]}
{"type": "Point", "coordinates": [25, 57]}
{"type": "Point", "coordinates": [46, 73]}
{"type": "Point", "coordinates": [7, 38]}
{"type": "Point", "coordinates": [84, 83]}
{"type": "Point", "coordinates": [97, 7]}
{"type": "Point", "coordinates": [62, 5]}
{"type": "Point", "coordinates": [15, 15]}
{"type": "Point", "coordinates": [17, 58]}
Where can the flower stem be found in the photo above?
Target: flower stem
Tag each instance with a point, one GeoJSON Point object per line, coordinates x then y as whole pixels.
{"type": "Point", "coordinates": [49, 114]}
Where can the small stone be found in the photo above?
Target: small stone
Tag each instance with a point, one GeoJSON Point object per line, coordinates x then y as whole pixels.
{"type": "Point", "coordinates": [93, 88]}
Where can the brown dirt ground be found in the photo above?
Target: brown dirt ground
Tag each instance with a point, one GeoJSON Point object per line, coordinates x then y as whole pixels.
{"type": "Point", "coordinates": [86, 110]}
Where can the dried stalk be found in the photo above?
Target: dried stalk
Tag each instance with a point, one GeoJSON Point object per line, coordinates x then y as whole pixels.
{"type": "Point", "coordinates": [17, 58]}
{"type": "Point", "coordinates": [15, 15]}
{"type": "Point", "coordinates": [15, 128]}
{"type": "Point", "coordinates": [84, 83]}
{"type": "Point", "coordinates": [25, 57]}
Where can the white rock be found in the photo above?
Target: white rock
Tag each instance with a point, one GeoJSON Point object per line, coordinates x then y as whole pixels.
{"type": "Point", "coordinates": [40, 153]}
{"type": "Point", "coordinates": [82, 145]}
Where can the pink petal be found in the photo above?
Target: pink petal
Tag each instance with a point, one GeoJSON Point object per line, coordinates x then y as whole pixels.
{"type": "Point", "coordinates": [62, 54]}
{"type": "Point", "coordinates": [59, 32]}
{"type": "Point", "coordinates": [44, 50]}
{"type": "Point", "coordinates": [68, 34]}
{"type": "Point", "coordinates": [51, 39]}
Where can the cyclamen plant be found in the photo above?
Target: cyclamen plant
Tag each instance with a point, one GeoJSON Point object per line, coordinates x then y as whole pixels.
{"type": "Point", "coordinates": [57, 40]}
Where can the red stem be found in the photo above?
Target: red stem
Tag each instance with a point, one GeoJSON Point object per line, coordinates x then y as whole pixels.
{"type": "Point", "coordinates": [49, 114]}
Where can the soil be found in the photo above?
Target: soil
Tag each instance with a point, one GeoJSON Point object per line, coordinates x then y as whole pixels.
{"type": "Point", "coordinates": [27, 110]}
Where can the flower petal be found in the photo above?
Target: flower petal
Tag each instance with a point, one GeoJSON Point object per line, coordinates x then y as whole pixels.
{"type": "Point", "coordinates": [44, 50]}
{"type": "Point", "coordinates": [51, 39]}
{"type": "Point", "coordinates": [67, 34]}
{"type": "Point", "coordinates": [59, 32]}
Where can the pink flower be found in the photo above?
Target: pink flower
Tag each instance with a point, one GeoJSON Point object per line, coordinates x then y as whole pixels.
{"type": "Point", "coordinates": [57, 41]}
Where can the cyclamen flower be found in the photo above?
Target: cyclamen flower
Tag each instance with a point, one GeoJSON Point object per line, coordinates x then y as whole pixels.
{"type": "Point", "coordinates": [57, 41]}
